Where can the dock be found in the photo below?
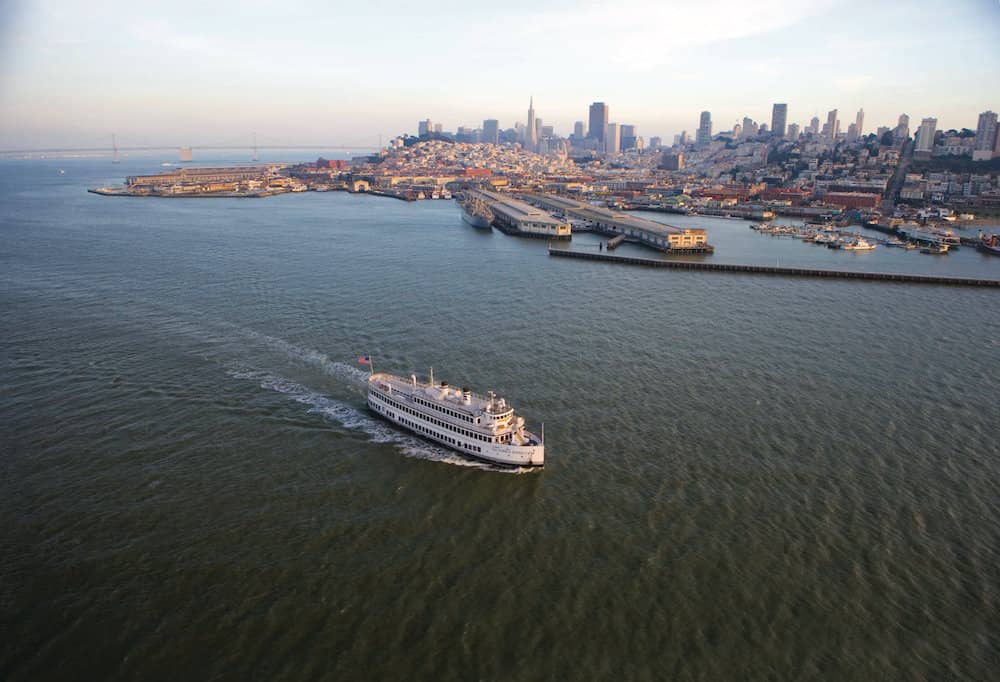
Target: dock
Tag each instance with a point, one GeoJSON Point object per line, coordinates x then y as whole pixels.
{"type": "Point", "coordinates": [774, 270]}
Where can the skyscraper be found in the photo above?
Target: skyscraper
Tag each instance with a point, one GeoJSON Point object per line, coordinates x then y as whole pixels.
{"type": "Point", "coordinates": [598, 121]}
{"type": "Point", "coordinates": [814, 126]}
{"type": "Point", "coordinates": [832, 127]}
{"type": "Point", "coordinates": [747, 127]}
{"type": "Point", "coordinates": [704, 135]}
{"type": "Point", "coordinates": [859, 122]}
{"type": "Point", "coordinates": [986, 136]}
{"type": "Point", "coordinates": [531, 132]}
{"type": "Point", "coordinates": [425, 127]}
{"type": "Point", "coordinates": [578, 133]}
{"type": "Point", "coordinates": [491, 131]}
{"type": "Point", "coordinates": [779, 116]}
{"type": "Point", "coordinates": [629, 137]}
{"type": "Point", "coordinates": [925, 135]}
{"type": "Point", "coordinates": [903, 128]}
{"type": "Point", "coordinates": [793, 131]}
{"type": "Point", "coordinates": [852, 132]}
{"type": "Point", "coordinates": [613, 139]}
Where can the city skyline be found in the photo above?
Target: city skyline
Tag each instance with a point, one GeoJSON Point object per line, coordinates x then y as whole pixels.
{"type": "Point", "coordinates": [71, 76]}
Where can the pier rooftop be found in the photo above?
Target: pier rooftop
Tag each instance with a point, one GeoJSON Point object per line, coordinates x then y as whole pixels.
{"type": "Point", "coordinates": [649, 232]}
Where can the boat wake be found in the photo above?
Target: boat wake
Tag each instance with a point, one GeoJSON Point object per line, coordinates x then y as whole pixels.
{"type": "Point", "coordinates": [340, 370]}
{"type": "Point", "coordinates": [351, 418]}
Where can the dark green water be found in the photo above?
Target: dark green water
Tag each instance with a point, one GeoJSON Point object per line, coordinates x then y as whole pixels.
{"type": "Point", "coordinates": [747, 477]}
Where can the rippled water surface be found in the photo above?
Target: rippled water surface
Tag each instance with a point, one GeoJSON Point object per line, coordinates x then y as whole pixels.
{"type": "Point", "coordinates": [747, 477]}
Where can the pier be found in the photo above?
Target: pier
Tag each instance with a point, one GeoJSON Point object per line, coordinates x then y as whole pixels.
{"type": "Point", "coordinates": [774, 270]}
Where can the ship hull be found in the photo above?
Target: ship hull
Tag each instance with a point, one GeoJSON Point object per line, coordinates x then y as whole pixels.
{"type": "Point", "coordinates": [476, 220]}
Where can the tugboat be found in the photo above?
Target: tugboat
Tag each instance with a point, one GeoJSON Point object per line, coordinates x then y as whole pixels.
{"type": "Point", "coordinates": [990, 244]}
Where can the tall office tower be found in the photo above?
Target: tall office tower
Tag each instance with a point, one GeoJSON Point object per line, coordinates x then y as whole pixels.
{"type": "Point", "coordinates": [852, 132]}
{"type": "Point", "coordinates": [425, 128]}
{"type": "Point", "coordinates": [747, 126]}
{"type": "Point", "coordinates": [613, 139]}
{"type": "Point", "coordinates": [598, 121]}
{"type": "Point", "coordinates": [814, 126]}
{"type": "Point", "coordinates": [986, 136]}
{"type": "Point", "coordinates": [831, 124]}
{"type": "Point", "coordinates": [578, 133]}
{"type": "Point", "coordinates": [546, 131]}
{"type": "Point", "coordinates": [628, 136]}
{"type": "Point", "coordinates": [925, 135]}
{"type": "Point", "coordinates": [996, 145]}
{"type": "Point", "coordinates": [704, 135]}
{"type": "Point", "coordinates": [793, 131]}
{"type": "Point", "coordinates": [859, 122]}
{"type": "Point", "coordinates": [737, 131]}
{"type": "Point", "coordinates": [903, 129]}
{"type": "Point", "coordinates": [491, 131]}
{"type": "Point", "coordinates": [531, 132]}
{"type": "Point", "coordinates": [655, 142]}
{"type": "Point", "coordinates": [779, 116]}
{"type": "Point", "coordinates": [437, 128]}
{"type": "Point", "coordinates": [684, 137]}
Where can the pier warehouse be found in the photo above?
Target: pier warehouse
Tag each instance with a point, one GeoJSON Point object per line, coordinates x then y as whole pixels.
{"type": "Point", "coordinates": [517, 217]}
{"type": "Point", "coordinates": [201, 176]}
{"type": "Point", "coordinates": [649, 232]}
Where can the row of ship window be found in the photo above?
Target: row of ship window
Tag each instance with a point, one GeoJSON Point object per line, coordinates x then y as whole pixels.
{"type": "Point", "coordinates": [453, 413]}
{"type": "Point", "coordinates": [446, 425]}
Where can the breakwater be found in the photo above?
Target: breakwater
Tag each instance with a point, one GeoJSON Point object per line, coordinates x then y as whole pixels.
{"type": "Point", "coordinates": [775, 270]}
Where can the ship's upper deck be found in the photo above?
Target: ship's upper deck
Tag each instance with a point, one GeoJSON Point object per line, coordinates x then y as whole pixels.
{"type": "Point", "coordinates": [458, 403]}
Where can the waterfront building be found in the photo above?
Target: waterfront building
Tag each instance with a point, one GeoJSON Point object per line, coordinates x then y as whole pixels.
{"type": "Point", "coordinates": [704, 134]}
{"type": "Point", "coordinates": [986, 136]}
{"type": "Point", "coordinates": [793, 131]}
{"type": "Point", "coordinates": [859, 122]}
{"type": "Point", "coordinates": [491, 131]}
{"type": "Point", "coordinates": [651, 233]}
{"type": "Point", "coordinates": [598, 121]}
{"type": "Point", "coordinates": [779, 117]}
{"type": "Point", "coordinates": [747, 127]}
{"type": "Point", "coordinates": [522, 218]}
{"type": "Point", "coordinates": [613, 139]}
{"type": "Point", "coordinates": [925, 135]}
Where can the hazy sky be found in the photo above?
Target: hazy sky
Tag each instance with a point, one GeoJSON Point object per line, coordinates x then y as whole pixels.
{"type": "Point", "coordinates": [326, 73]}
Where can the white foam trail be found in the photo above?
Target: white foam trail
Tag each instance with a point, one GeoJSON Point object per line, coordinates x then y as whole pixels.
{"type": "Point", "coordinates": [351, 418]}
{"type": "Point", "coordinates": [316, 358]}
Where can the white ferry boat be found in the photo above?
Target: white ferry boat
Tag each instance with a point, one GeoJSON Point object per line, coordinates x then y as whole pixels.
{"type": "Point", "coordinates": [485, 428]}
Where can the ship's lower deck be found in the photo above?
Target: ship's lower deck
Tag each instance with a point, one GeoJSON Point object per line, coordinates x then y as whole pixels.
{"type": "Point", "coordinates": [476, 444]}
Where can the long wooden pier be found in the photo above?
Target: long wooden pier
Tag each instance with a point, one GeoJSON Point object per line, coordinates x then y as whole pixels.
{"type": "Point", "coordinates": [769, 270]}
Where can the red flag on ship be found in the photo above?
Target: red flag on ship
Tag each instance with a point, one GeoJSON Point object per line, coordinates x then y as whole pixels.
{"type": "Point", "coordinates": [365, 360]}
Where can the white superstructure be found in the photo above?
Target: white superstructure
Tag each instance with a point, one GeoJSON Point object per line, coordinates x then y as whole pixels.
{"type": "Point", "coordinates": [483, 427]}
